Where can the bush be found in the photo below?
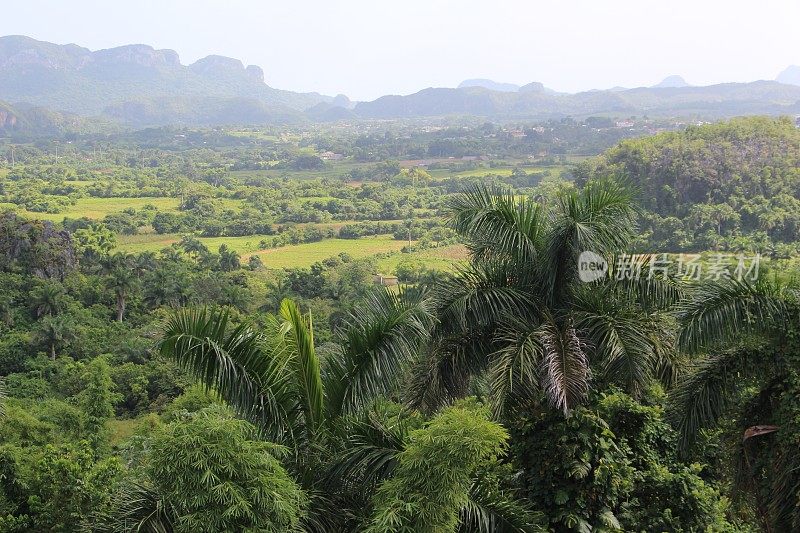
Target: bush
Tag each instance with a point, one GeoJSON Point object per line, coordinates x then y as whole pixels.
{"type": "Point", "coordinates": [217, 476]}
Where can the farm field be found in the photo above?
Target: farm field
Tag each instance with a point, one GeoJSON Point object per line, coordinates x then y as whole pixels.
{"type": "Point", "coordinates": [503, 171]}
{"type": "Point", "coordinates": [305, 255]}
{"type": "Point", "coordinates": [444, 258]}
{"type": "Point", "coordinates": [331, 170]}
{"type": "Point", "coordinates": [97, 208]}
{"type": "Point", "coordinates": [292, 256]}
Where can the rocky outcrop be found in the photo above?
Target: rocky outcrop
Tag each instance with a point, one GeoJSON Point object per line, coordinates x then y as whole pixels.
{"type": "Point", "coordinates": [137, 54]}
{"type": "Point", "coordinates": [8, 120]}
{"type": "Point", "coordinates": [35, 246]}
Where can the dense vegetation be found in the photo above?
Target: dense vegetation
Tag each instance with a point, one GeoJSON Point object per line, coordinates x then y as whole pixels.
{"type": "Point", "coordinates": [733, 185]}
{"type": "Point", "coordinates": [160, 372]}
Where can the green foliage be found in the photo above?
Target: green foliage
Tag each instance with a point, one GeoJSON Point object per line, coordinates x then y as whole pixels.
{"type": "Point", "coordinates": [574, 469]}
{"type": "Point", "coordinates": [613, 466]}
{"type": "Point", "coordinates": [434, 472]}
{"type": "Point", "coordinates": [66, 487]}
{"type": "Point", "coordinates": [97, 401]}
{"type": "Point", "coordinates": [668, 494]}
{"type": "Point", "coordinates": [216, 475]}
{"type": "Point", "coordinates": [713, 186]}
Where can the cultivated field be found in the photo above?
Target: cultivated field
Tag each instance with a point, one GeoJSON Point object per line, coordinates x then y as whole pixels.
{"type": "Point", "coordinates": [97, 208]}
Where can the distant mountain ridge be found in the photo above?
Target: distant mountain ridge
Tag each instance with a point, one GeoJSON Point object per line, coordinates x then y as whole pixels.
{"type": "Point", "coordinates": [27, 120]}
{"type": "Point", "coordinates": [75, 79]}
{"type": "Point", "coordinates": [51, 87]}
{"type": "Point", "coordinates": [489, 84]}
{"type": "Point", "coordinates": [492, 85]}
{"type": "Point", "coordinates": [713, 101]}
{"type": "Point", "coordinates": [790, 76]}
{"type": "Point", "coordinates": [671, 82]}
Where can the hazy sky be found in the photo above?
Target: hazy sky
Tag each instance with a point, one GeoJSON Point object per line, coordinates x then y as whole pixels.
{"type": "Point", "coordinates": [369, 48]}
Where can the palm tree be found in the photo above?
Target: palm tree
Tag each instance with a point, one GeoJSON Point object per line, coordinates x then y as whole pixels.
{"type": "Point", "coordinates": [143, 263]}
{"type": "Point", "coordinates": [746, 333]}
{"type": "Point", "coordinates": [121, 278]}
{"type": "Point", "coordinates": [278, 291]}
{"type": "Point", "coordinates": [53, 331]}
{"type": "Point", "coordinates": [277, 381]}
{"type": "Point", "coordinates": [122, 282]}
{"type": "Point", "coordinates": [46, 299]}
{"type": "Point", "coordinates": [519, 316]}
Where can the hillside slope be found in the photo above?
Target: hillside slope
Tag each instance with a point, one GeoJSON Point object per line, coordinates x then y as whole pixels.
{"type": "Point", "coordinates": [732, 185]}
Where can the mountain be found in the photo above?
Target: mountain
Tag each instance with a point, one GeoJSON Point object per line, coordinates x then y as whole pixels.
{"type": "Point", "coordinates": [74, 79]}
{"type": "Point", "coordinates": [27, 120]}
{"type": "Point", "coordinates": [671, 82]}
{"type": "Point", "coordinates": [790, 76]}
{"type": "Point", "coordinates": [489, 84]}
{"type": "Point", "coordinates": [714, 101]}
{"type": "Point", "coordinates": [137, 85]}
{"type": "Point", "coordinates": [535, 87]}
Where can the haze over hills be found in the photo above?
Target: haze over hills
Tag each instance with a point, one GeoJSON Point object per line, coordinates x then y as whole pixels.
{"type": "Point", "coordinates": [790, 76]}
{"type": "Point", "coordinates": [671, 82]}
{"type": "Point", "coordinates": [118, 80]}
{"type": "Point", "coordinates": [714, 101]}
{"type": "Point", "coordinates": [54, 87]}
{"type": "Point", "coordinates": [490, 84]}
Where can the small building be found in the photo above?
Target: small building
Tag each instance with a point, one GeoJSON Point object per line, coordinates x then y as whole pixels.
{"type": "Point", "coordinates": [386, 281]}
{"type": "Point", "coordinates": [330, 156]}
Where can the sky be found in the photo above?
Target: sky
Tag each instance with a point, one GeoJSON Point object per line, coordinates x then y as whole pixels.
{"type": "Point", "coordinates": [366, 49]}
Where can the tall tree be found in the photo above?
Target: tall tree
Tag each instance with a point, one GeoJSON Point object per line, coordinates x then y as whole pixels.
{"type": "Point", "coordinates": [97, 401]}
{"type": "Point", "coordinates": [54, 332]}
{"type": "Point", "coordinates": [122, 281]}
{"type": "Point", "coordinates": [47, 298]}
{"type": "Point", "coordinates": [520, 315]}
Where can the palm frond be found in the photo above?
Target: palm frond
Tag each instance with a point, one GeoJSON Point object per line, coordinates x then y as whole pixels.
{"type": "Point", "coordinates": [137, 508]}
{"type": "Point", "coordinates": [565, 367]}
{"type": "Point", "coordinates": [478, 296]}
{"type": "Point", "coordinates": [720, 311]}
{"type": "Point", "coordinates": [371, 446]}
{"type": "Point", "coordinates": [298, 335]}
{"type": "Point", "coordinates": [600, 218]}
{"type": "Point", "coordinates": [494, 511]}
{"type": "Point", "coordinates": [785, 490]}
{"type": "Point", "coordinates": [232, 361]}
{"type": "Point", "coordinates": [702, 397]}
{"type": "Point", "coordinates": [496, 223]}
{"type": "Point", "coordinates": [382, 338]}
{"type": "Point", "coordinates": [444, 372]}
{"type": "Point", "coordinates": [651, 291]}
{"type": "Point", "coordinates": [514, 371]}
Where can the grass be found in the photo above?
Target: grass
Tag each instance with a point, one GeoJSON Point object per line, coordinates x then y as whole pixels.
{"type": "Point", "coordinates": [502, 171]}
{"type": "Point", "coordinates": [122, 430]}
{"type": "Point", "coordinates": [98, 208]}
{"type": "Point", "coordinates": [304, 255]}
{"type": "Point", "coordinates": [295, 256]}
{"type": "Point", "coordinates": [474, 172]}
{"type": "Point", "coordinates": [445, 258]}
